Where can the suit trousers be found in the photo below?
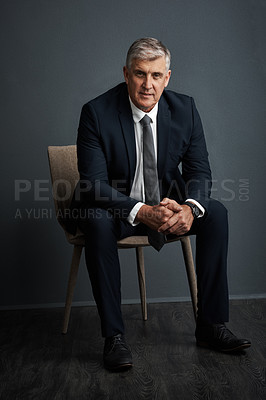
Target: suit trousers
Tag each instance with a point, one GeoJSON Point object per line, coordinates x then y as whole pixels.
{"type": "Point", "coordinates": [102, 230]}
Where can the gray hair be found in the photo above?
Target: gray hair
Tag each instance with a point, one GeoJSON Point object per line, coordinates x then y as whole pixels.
{"type": "Point", "coordinates": [148, 49]}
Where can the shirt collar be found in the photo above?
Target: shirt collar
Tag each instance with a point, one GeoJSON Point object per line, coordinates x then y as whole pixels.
{"type": "Point", "coordinates": [139, 114]}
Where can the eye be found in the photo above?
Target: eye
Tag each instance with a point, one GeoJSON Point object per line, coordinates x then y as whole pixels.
{"type": "Point", "coordinates": [157, 75]}
{"type": "Point", "coordinates": [139, 74]}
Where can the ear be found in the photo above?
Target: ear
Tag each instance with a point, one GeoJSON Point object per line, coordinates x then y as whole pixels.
{"type": "Point", "coordinates": [167, 78]}
{"type": "Point", "coordinates": [126, 73]}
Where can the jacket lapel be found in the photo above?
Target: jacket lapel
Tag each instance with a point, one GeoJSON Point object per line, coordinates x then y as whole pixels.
{"type": "Point", "coordinates": [163, 135]}
{"type": "Point", "coordinates": [127, 125]}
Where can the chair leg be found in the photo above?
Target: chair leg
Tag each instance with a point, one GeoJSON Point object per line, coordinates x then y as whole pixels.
{"type": "Point", "coordinates": [191, 274]}
{"type": "Point", "coordinates": [142, 283]}
{"type": "Point", "coordinates": [71, 284]}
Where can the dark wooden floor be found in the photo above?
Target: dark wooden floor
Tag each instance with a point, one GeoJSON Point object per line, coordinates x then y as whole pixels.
{"type": "Point", "coordinates": [37, 362]}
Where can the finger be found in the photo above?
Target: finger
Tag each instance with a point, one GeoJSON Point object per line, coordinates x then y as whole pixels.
{"type": "Point", "coordinates": [177, 225]}
{"type": "Point", "coordinates": [165, 200]}
{"type": "Point", "coordinates": [164, 228]}
{"type": "Point", "coordinates": [172, 205]}
{"type": "Point", "coordinates": [177, 229]}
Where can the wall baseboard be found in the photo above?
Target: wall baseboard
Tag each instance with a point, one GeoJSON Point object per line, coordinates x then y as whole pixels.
{"type": "Point", "coordinates": [128, 301]}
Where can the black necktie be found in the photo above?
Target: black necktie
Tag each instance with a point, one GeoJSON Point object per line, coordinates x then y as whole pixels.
{"type": "Point", "coordinates": [151, 183]}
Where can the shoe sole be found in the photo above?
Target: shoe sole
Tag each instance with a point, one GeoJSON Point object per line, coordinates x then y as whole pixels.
{"type": "Point", "coordinates": [238, 348]}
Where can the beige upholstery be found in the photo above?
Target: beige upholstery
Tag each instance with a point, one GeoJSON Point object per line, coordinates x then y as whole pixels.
{"type": "Point", "coordinates": [64, 174]}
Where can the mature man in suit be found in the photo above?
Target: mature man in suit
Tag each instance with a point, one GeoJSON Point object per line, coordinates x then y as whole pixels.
{"type": "Point", "coordinates": [131, 143]}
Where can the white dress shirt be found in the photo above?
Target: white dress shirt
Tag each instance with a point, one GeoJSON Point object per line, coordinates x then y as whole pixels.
{"type": "Point", "coordinates": [137, 190]}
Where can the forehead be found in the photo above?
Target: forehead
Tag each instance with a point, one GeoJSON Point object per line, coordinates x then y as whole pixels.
{"type": "Point", "coordinates": [156, 65]}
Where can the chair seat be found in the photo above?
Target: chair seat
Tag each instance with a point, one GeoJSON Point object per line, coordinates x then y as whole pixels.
{"type": "Point", "coordinates": [133, 241]}
{"type": "Point", "coordinates": [126, 243]}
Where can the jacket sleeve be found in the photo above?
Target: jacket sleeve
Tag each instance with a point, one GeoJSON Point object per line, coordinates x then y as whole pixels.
{"type": "Point", "coordinates": [196, 170]}
{"type": "Point", "coordinates": [95, 188]}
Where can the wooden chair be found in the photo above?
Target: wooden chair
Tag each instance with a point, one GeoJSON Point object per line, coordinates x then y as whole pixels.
{"type": "Point", "coordinates": [64, 174]}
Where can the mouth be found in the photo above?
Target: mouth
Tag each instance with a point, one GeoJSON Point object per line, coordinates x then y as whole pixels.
{"type": "Point", "coordinates": [146, 95]}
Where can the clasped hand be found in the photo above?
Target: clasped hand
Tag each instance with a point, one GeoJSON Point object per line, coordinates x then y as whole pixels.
{"type": "Point", "coordinates": [168, 217]}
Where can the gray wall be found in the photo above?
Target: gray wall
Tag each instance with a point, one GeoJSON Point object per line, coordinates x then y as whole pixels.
{"type": "Point", "coordinates": [56, 55]}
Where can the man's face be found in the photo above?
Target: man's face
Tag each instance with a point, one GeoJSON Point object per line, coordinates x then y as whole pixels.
{"type": "Point", "coordinates": [146, 81]}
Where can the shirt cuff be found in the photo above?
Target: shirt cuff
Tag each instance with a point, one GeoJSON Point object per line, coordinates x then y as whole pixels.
{"type": "Point", "coordinates": [202, 210]}
{"type": "Point", "coordinates": [132, 215]}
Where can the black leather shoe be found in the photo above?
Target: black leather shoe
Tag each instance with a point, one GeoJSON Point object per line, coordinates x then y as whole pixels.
{"type": "Point", "coordinates": [117, 354]}
{"type": "Point", "coordinates": [220, 338]}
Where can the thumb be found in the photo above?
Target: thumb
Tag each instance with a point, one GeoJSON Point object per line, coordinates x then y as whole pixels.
{"type": "Point", "coordinates": [171, 204]}
{"type": "Point", "coordinates": [165, 201]}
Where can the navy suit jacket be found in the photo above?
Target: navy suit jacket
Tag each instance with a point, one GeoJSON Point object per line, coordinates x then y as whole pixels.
{"type": "Point", "coordinates": [106, 152]}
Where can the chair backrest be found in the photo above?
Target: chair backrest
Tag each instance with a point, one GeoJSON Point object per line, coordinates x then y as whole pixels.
{"type": "Point", "coordinates": [64, 174]}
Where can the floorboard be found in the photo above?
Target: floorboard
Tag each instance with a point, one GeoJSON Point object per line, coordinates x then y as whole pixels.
{"type": "Point", "coordinates": [38, 362]}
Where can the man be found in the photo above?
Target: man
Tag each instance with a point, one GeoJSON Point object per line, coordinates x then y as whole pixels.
{"type": "Point", "coordinates": [131, 143]}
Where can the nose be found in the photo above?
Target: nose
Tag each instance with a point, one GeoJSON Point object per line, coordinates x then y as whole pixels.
{"type": "Point", "coordinates": [147, 83]}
